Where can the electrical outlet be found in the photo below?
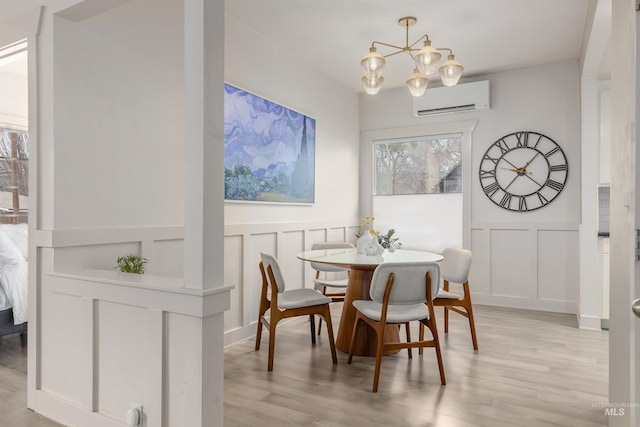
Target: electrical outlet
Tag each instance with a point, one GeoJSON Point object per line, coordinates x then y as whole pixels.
{"type": "Point", "coordinates": [134, 415]}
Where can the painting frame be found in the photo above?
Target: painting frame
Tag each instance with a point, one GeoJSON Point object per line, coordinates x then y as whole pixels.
{"type": "Point", "coordinates": [269, 150]}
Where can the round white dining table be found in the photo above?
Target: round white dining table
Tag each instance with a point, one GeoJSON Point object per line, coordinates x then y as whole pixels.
{"type": "Point", "coordinates": [361, 268]}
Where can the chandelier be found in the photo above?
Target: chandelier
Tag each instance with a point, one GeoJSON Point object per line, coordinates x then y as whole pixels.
{"type": "Point", "coordinates": [426, 63]}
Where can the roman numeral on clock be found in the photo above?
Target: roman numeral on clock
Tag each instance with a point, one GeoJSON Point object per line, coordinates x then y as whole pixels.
{"type": "Point", "coordinates": [491, 189]}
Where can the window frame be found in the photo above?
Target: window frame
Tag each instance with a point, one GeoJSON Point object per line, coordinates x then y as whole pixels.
{"type": "Point", "coordinates": [427, 139]}
{"type": "Point", "coordinates": [466, 127]}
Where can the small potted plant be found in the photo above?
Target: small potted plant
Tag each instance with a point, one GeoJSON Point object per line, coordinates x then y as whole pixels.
{"type": "Point", "coordinates": [389, 242]}
{"type": "Point", "coordinates": [131, 264]}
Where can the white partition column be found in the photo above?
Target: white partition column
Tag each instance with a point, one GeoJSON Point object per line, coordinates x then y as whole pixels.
{"type": "Point", "coordinates": [204, 143]}
{"type": "Point", "coordinates": [204, 196]}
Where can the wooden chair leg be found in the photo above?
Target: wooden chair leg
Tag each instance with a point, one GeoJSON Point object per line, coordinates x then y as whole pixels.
{"type": "Point", "coordinates": [272, 343]}
{"type": "Point", "coordinates": [259, 333]}
{"type": "Point", "coordinates": [312, 323]}
{"type": "Point", "coordinates": [406, 325]}
{"type": "Point", "coordinates": [446, 320]}
{"type": "Point", "coordinates": [354, 335]}
{"type": "Point", "coordinates": [324, 292]}
{"type": "Point", "coordinates": [379, 345]}
{"type": "Point", "coordinates": [421, 338]}
{"type": "Point", "coordinates": [264, 306]}
{"type": "Point", "coordinates": [434, 331]}
{"type": "Point", "coordinates": [332, 343]}
{"type": "Point", "coordinates": [472, 326]}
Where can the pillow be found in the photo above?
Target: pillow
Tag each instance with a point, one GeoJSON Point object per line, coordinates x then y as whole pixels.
{"type": "Point", "coordinates": [9, 252]}
{"type": "Point", "coordinates": [18, 235]}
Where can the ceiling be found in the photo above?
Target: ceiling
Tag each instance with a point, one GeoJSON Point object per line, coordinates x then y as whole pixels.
{"type": "Point", "coordinates": [486, 36]}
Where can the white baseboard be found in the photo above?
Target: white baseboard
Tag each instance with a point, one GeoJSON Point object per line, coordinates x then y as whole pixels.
{"type": "Point", "coordinates": [589, 322]}
{"type": "Point", "coordinates": [554, 306]}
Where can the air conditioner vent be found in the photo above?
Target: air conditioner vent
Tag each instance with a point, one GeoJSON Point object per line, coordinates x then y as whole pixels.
{"type": "Point", "coordinates": [463, 97]}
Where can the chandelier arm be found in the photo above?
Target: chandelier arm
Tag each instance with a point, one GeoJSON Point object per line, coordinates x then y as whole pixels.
{"type": "Point", "coordinates": [445, 48]}
{"type": "Point", "coordinates": [400, 48]}
{"type": "Point", "coordinates": [395, 53]}
{"type": "Point", "coordinates": [411, 46]}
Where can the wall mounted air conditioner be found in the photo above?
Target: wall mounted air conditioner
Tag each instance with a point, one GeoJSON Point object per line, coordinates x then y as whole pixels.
{"type": "Point", "coordinates": [452, 99]}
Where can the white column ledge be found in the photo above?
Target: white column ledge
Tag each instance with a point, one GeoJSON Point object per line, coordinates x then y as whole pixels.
{"type": "Point", "coordinates": [142, 290]}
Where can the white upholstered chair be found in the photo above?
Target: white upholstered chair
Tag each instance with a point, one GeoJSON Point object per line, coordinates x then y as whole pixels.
{"type": "Point", "coordinates": [331, 280]}
{"type": "Point", "coordinates": [400, 293]}
{"type": "Point", "coordinates": [283, 304]}
{"type": "Point", "coordinates": [455, 268]}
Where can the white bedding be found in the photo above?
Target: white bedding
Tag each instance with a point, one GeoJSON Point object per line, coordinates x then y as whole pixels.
{"type": "Point", "coordinates": [13, 279]}
{"type": "Point", "coordinates": [4, 301]}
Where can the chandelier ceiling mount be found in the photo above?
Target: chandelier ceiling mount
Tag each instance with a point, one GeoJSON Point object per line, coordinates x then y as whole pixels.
{"type": "Point", "coordinates": [426, 62]}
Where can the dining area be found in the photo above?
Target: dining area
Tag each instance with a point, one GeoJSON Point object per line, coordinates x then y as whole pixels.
{"type": "Point", "coordinates": [380, 291]}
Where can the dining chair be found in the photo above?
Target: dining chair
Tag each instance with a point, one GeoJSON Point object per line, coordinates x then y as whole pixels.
{"type": "Point", "coordinates": [329, 276]}
{"type": "Point", "coordinates": [283, 304]}
{"type": "Point", "coordinates": [400, 293]}
{"type": "Point", "coordinates": [455, 268]}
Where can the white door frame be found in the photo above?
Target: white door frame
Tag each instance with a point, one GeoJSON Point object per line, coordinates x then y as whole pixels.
{"type": "Point", "coordinates": [624, 332]}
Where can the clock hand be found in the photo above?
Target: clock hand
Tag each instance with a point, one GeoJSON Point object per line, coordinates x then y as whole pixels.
{"type": "Point", "coordinates": [520, 171]}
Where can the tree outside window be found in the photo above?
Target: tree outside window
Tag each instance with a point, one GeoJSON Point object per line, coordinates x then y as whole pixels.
{"type": "Point", "coordinates": [14, 176]}
{"type": "Point", "coordinates": [422, 165]}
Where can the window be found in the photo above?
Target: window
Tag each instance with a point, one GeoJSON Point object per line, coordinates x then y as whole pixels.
{"type": "Point", "coordinates": [14, 176]}
{"type": "Point", "coordinates": [420, 165]}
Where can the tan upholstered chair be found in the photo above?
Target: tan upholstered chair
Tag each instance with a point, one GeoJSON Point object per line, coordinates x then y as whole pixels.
{"type": "Point", "coordinates": [331, 280]}
{"type": "Point", "coordinates": [455, 268]}
{"type": "Point", "coordinates": [284, 304]}
{"type": "Point", "coordinates": [400, 293]}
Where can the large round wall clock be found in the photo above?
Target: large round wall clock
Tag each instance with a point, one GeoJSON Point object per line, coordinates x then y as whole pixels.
{"type": "Point", "coordinates": [523, 171]}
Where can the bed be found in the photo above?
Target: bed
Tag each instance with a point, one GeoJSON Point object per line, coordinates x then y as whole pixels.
{"type": "Point", "coordinates": [13, 278]}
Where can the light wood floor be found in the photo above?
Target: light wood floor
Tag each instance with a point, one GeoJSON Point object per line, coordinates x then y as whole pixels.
{"type": "Point", "coordinates": [532, 369]}
{"type": "Point", "coordinates": [13, 387]}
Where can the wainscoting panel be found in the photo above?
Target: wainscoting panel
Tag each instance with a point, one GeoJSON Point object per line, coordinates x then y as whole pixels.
{"type": "Point", "coordinates": [289, 245]}
{"type": "Point", "coordinates": [479, 279]}
{"type": "Point", "coordinates": [101, 256]}
{"type": "Point", "coordinates": [62, 347]}
{"type": "Point", "coordinates": [535, 266]}
{"type": "Point", "coordinates": [558, 266]}
{"type": "Point", "coordinates": [107, 339]}
{"type": "Point", "coordinates": [122, 340]}
{"type": "Point", "coordinates": [233, 274]}
{"type": "Point", "coordinates": [511, 270]}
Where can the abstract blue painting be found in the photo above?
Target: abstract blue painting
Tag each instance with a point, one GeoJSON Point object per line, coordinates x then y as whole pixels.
{"type": "Point", "coordinates": [269, 150]}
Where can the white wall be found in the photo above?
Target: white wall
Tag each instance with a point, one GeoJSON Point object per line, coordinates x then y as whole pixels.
{"type": "Point", "coordinates": [119, 121]}
{"type": "Point", "coordinates": [284, 229]}
{"type": "Point", "coordinates": [521, 259]}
